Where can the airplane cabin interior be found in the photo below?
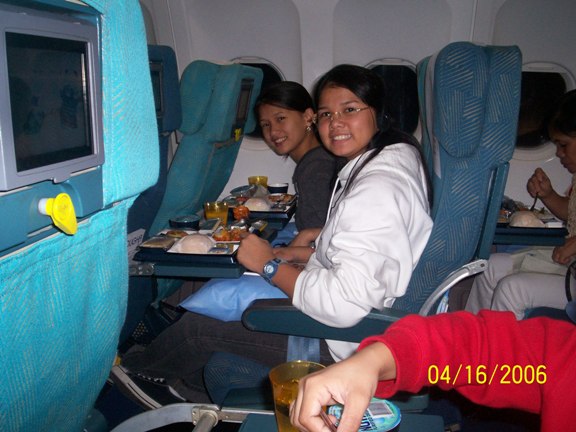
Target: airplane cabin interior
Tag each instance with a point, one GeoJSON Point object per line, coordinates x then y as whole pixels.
{"type": "Point", "coordinates": [121, 118]}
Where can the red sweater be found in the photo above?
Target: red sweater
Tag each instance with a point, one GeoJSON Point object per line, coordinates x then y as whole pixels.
{"type": "Point", "coordinates": [490, 358]}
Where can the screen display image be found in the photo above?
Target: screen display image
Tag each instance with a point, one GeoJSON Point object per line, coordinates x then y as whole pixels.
{"type": "Point", "coordinates": [48, 99]}
{"type": "Point", "coordinates": [156, 76]}
{"type": "Point", "coordinates": [244, 101]}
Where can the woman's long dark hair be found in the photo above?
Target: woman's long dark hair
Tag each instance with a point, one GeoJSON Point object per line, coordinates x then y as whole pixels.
{"type": "Point", "coordinates": [285, 94]}
{"type": "Point", "coordinates": [370, 89]}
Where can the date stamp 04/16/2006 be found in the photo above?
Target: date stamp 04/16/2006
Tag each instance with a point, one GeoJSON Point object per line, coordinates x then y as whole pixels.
{"type": "Point", "coordinates": [504, 374]}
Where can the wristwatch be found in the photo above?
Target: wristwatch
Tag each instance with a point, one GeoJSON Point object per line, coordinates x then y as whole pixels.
{"type": "Point", "coordinates": [270, 269]}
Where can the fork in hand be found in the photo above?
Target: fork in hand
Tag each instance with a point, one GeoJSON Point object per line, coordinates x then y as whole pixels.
{"type": "Point", "coordinates": [534, 203]}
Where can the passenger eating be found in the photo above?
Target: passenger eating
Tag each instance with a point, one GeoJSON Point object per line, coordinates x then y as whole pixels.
{"type": "Point", "coordinates": [535, 277]}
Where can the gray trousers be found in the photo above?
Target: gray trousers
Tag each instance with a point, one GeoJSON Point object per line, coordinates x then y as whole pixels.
{"type": "Point", "coordinates": [180, 352]}
{"type": "Point", "coordinates": [501, 287]}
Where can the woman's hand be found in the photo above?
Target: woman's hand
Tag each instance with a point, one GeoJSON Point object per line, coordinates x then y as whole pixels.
{"type": "Point", "coordinates": [299, 254]}
{"type": "Point", "coordinates": [565, 254]}
{"type": "Point", "coordinates": [305, 237]}
{"type": "Point", "coordinates": [254, 252]}
{"type": "Point", "coordinates": [539, 185]}
{"type": "Point", "coordinates": [351, 382]}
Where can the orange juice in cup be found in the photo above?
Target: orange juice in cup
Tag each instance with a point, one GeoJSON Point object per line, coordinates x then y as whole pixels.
{"type": "Point", "coordinates": [216, 209]}
{"type": "Point", "coordinates": [258, 180]}
{"type": "Point", "coordinates": [284, 379]}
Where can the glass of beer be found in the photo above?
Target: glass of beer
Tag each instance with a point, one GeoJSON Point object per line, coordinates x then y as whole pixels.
{"type": "Point", "coordinates": [284, 379]}
{"type": "Point", "coordinates": [258, 180]}
{"type": "Point", "coordinates": [216, 209]}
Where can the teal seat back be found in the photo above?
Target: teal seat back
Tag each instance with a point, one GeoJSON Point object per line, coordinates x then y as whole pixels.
{"type": "Point", "coordinates": [217, 110]}
{"type": "Point", "coordinates": [142, 290]}
{"type": "Point", "coordinates": [164, 74]}
{"type": "Point", "coordinates": [469, 99]}
{"type": "Point", "coordinates": [212, 98]}
{"type": "Point", "coordinates": [63, 298]}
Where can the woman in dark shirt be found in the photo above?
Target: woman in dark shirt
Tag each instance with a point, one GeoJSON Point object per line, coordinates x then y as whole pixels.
{"type": "Point", "coordinates": [286, 115]}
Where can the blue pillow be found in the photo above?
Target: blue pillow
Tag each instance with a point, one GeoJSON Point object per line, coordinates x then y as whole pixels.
{"type": "Point", "coordinates": [226, 299]}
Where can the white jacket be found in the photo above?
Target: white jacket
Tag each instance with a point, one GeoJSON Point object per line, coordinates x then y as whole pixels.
{"type": "Point", "coordinates": [372, 240]}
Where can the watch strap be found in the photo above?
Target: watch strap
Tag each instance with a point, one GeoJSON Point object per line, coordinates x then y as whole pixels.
{"type": "Point", "coordinates": [270, 269]}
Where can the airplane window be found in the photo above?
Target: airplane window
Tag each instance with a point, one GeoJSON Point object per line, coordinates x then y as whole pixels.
{"type": "Point", "coordinates": [270, 76]}
{"type": "Point", "coordinates": [539, 92]}
{"type": "Point", "coordinates": [402, 95]}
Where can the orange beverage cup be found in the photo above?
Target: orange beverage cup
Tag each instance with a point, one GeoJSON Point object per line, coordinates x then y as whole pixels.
{"type": "Point", "coordinates": [258, 180]}
{"type": "Point", "coordinates": [284, 379]}
{"type": "Point", "coordinates": [216, 209]}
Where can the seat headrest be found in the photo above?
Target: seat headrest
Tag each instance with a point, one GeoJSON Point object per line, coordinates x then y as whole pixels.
{"type": "Point", "coordinates": [169, 86]}
{"type": "Point", "coordinates": [456, 82]}
{"type": "Point", "coordinates": [196, 87]}
{"type": "Point", "coordinates": [211, 98]}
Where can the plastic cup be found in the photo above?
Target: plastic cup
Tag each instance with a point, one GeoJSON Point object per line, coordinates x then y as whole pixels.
{"type": "Point", "coordinates": [258, 180]}
{"type": "Point", "coordinates": [216, 209]}
{"type": "Point", "coordinates": [284, 379]}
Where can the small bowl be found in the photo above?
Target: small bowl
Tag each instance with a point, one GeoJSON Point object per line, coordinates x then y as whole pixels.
{"type": "Point", "coordinates": [185, 222]}
{"type": "Point", "coordinates": [278, 188]}
{"type": "Point", "coordinates": [246, 191]}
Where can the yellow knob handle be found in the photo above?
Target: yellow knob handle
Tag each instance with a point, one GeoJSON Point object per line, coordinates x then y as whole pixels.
{"type": "Point", "coordinates": [61, 210]}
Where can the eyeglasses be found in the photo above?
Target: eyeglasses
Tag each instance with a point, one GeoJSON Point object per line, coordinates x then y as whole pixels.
{"type": "Point", "coordinates": [348, 113]}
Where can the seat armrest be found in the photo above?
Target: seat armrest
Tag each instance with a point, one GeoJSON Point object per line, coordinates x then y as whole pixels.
{"type": "Point", "coordinates": [279, 316]}
{"type": "Point", "coordinates": [467, 270]}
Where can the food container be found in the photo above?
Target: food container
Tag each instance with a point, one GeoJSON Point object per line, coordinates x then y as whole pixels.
{"type": "Point", "coordinates": [246, 191]}
{"type": "Point", "coordinates": [278, 188]}
{"type": "Point", "coordinates": [381, 416]}
{"type": "Point", "coordinates": [191, 222]}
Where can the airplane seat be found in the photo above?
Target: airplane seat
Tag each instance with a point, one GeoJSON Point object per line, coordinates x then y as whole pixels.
{"type": "Point", "coordinates": [142, 321]}
{"type": "Point", "coordinates": [165, 81]}
{"type": "Point", "coordinates": [63, 298]}
{"type": "Point", "coordinates": [217, 110]}
{"type": "Point", "coordinates": [469, 97]}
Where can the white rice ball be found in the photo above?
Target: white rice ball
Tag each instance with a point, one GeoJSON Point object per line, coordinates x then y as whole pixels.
{"type": "Point", "coordinates": [194, 244]}
{"type": "Point", "coordinates": [525, 219]}
{"type": "Point", "coordinates": [257, 204]}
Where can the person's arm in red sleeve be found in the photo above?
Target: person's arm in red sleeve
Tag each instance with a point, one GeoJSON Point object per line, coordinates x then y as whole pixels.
{"type": "Point", "coordinates": [491, 358]}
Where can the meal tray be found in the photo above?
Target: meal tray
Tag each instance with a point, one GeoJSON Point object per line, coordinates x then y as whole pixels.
{"type": "Point", "coordinates": [278, 213]}
{"type": "Point", "coordinates": [151, 254]}
{"type": "Point", "coordinates": [160, 255]}
{"type": "Point", "coordinates": [274, 214]}
{"type": "Point", "coordinates": [545, 231]}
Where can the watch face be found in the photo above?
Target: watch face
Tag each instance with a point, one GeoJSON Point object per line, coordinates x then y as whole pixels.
{"type": "Point", "coordinates": [268, 268]}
